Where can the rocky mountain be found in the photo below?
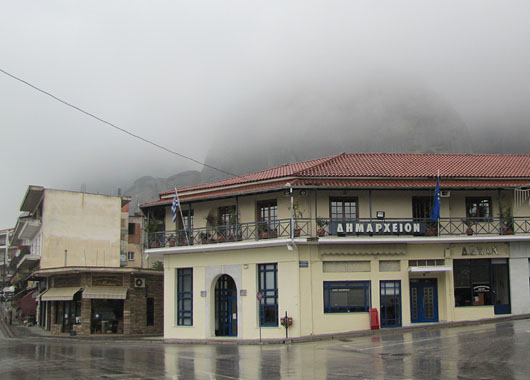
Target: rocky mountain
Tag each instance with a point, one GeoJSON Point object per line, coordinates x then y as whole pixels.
{"type": "Point", "coordinates": [146, 188]}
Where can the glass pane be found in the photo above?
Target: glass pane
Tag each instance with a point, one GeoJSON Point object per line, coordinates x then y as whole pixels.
{"type": "Point", "coordinates": [500, 285]}
{"type": "Point", "coordinates": [428, 302]}
{"type": "Point", "coordinates": [414, 302]}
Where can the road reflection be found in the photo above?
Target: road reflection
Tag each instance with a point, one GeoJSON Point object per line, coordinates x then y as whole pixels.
{"type": "Point", "coordinates": [483, 351]}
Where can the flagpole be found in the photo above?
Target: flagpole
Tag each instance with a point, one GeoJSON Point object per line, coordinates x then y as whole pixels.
{"type": "Point", "coordinates": [182, 217]}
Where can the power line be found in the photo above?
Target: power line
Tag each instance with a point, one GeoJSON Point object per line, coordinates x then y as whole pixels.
{"type": "Point", "coordinates": [114, 125]}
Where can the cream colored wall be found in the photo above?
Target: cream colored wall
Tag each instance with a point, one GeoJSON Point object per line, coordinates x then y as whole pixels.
{"type": "Point", "coordinates": [395, 204]}
{"type": "Point", "coordinates": [86, 225]}
{"type": "Point", "coordinates": [204, 264]}
{"type": "Point", "coordinates": [301, 289]}
{"type": "Point", "coordinates": [138, 261]}
{"type": "Point", "coordinates": [457, 202]}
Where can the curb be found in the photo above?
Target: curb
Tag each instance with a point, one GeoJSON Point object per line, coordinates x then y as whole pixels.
{"type": "Point", "coordinates": [349, 334]}
{"type": "Point", "coordinates": [305, 339]}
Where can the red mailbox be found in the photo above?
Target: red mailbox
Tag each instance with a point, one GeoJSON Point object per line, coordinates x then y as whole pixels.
{"type": "Point", "coordinates": [374, 319]}
{"type": "Point", "coordinates": [288, 320]}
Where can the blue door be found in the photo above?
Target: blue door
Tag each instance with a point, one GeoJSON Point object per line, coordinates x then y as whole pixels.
{"type": "Point", "coordinates": [501, 286]}
{"type": "Point", "coordinates": [225, 307]}
{"type": "Point", "coordinates": [423, 300]}
{"type": "Point", "coordinates": [390, 303]}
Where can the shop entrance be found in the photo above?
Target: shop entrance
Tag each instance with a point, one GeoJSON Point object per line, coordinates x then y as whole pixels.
{"type": "Point", "coordinates": [424, 300]}
{"type": "Point", "coordinates": [390, 307]}
{"type": "Point", "coordinates": [225, 306]}
{"type": "Point", "coordinates": [501, 286]}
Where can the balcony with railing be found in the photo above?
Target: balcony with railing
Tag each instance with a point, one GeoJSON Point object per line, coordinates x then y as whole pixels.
{"type": "Point", "coordinates": [323, 227]}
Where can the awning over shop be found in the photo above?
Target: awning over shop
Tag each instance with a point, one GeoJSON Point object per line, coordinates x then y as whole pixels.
{"type": "Point", "coordinates": [60, 294]}
{"type": "Point", "coordinates": [105, 292]}
{"type": "Point", "coordinates": [434, 268]}
{"type": "Point", "coordinates": [27, 304]}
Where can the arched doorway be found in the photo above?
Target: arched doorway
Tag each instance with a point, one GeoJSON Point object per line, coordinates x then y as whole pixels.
{"type": "Point", "coordinates": [225, 306]}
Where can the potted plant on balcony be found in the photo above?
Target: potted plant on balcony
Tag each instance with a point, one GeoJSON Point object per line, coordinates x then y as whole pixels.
{"type": "Point", "coordinates": [263, 230]}
{"type": "Point", "coordinates": [151, 228]}
{"type": "Point", "coordinates": [430, 229]}
{"type": "Point", "coordinates": [469, 224]}
{"type": "Point", "coordinates": [507, 220]}
{"type": "Point", "coordinates": [322, 224]}
{"type": "Point", "coordinates": [204, 237]}
{"type": "Point", "coordinates": [297, 214]}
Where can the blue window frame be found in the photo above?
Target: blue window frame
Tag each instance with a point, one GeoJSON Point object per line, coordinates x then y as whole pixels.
{"type": "Point", "coordinates": [185, 297]}
{"type": "Point", "coordinates": [346, 296]}
{"type": "Point", "coordinates": [268, 286]}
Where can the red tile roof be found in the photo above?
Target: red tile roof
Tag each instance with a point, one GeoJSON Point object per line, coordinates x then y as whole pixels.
{"type": "Point", "coordinates": [374, 170]}
{"type": "Point", "coordinates": [422, 165]}
{"type": "Point", "coordinates": [287, 170]}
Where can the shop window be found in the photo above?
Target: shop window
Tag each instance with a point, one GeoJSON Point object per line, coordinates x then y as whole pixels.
{"type": "Point", "coordinates": [389, 266]}
{"type": "Point", "coordinates": [185, 296]}
{"type": "Point", "coordinates": [107, 316]}
{"type": "Point", "coordinates": [150, 308]}
{"type": "Point", "coordinates": [343, 208]}
{"type": "Point", "coordinates": [268, 286]}
{"type": "Point", "coordinates": [346, 296]}
{"type": "Point", "coordinates": [478, 207]}
{"type": "Point", "coordinates": [472, 280]}
{"type": "Point", "coordinates": [345, 266]}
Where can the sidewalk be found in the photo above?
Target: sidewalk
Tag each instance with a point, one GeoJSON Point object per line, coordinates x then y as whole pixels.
{"type": "Point", "coordinates": [19, 330]}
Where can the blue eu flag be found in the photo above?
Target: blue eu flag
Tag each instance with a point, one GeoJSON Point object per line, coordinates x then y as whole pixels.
{"type": "Point", "coordinates": [435, 211]}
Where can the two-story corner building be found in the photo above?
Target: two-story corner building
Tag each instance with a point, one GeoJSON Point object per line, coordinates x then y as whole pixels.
{"type": "Point", "coordinates": [69, 247]}
{"type": "Point", "coordinates": [324, 241]}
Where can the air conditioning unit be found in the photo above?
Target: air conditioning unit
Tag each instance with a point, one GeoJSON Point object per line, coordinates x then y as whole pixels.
{"type": "Point", "coordinates": [445, 193]}
{"type": "Point", "coordinates": [139, 282]}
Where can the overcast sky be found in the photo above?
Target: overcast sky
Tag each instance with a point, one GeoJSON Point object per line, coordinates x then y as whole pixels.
{"type": "Point", "coordinates": [175, 71]}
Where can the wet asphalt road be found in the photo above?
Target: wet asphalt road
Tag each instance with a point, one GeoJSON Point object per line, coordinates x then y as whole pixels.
{"type": "Point", "coordinates": [488, 351]}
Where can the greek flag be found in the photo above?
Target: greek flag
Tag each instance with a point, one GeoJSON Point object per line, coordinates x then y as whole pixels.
{"type": "Point", "coordinates": [435, 211]}
{"type": "Point", "coordinates": [174, 206]}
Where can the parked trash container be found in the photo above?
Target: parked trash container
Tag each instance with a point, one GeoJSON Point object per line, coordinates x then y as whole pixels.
{"type": "Point", "coordinates": [374, 319]}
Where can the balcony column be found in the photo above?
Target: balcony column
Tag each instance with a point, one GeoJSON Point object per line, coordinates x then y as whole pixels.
{"type": "Point", "coordinates": [237, 217]}
{"type": "Point", "coordinates": [501, 222]}
{"type": "Point", "coordinates": [370, 202]}
{"type": "Point", "coordinates": [189, 234]}
{"type": "Point", "coordinates": [292, 210]}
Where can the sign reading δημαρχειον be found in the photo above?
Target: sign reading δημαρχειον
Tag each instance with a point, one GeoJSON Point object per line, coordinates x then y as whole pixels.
{"type": "Point", "coordinates": [376, 228]}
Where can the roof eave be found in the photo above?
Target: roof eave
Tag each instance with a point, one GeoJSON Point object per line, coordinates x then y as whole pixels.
{"type": "Point", "coordinates": [32, 198]}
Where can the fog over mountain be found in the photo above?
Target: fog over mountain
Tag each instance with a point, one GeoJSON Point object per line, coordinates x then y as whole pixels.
{"type": "Point", "coordinates": [313, 122]}
{"type": "Point", "coordinates": [245, 86]}
{"type": "Point", "coordinates": [316, 122]}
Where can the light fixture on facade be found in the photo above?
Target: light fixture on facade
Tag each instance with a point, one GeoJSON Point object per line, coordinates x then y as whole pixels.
{"type": "Point", "coordinates": [380, 215]}
{"type": "Point", "coordinates": [303, 192]}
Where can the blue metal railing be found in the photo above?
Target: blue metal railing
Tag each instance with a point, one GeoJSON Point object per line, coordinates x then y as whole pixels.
{"type": "Point", "coordinates": [320, 227]}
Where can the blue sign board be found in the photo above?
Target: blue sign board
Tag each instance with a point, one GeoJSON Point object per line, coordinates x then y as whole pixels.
{"type": "Point", "coordinates": [377, 228]}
